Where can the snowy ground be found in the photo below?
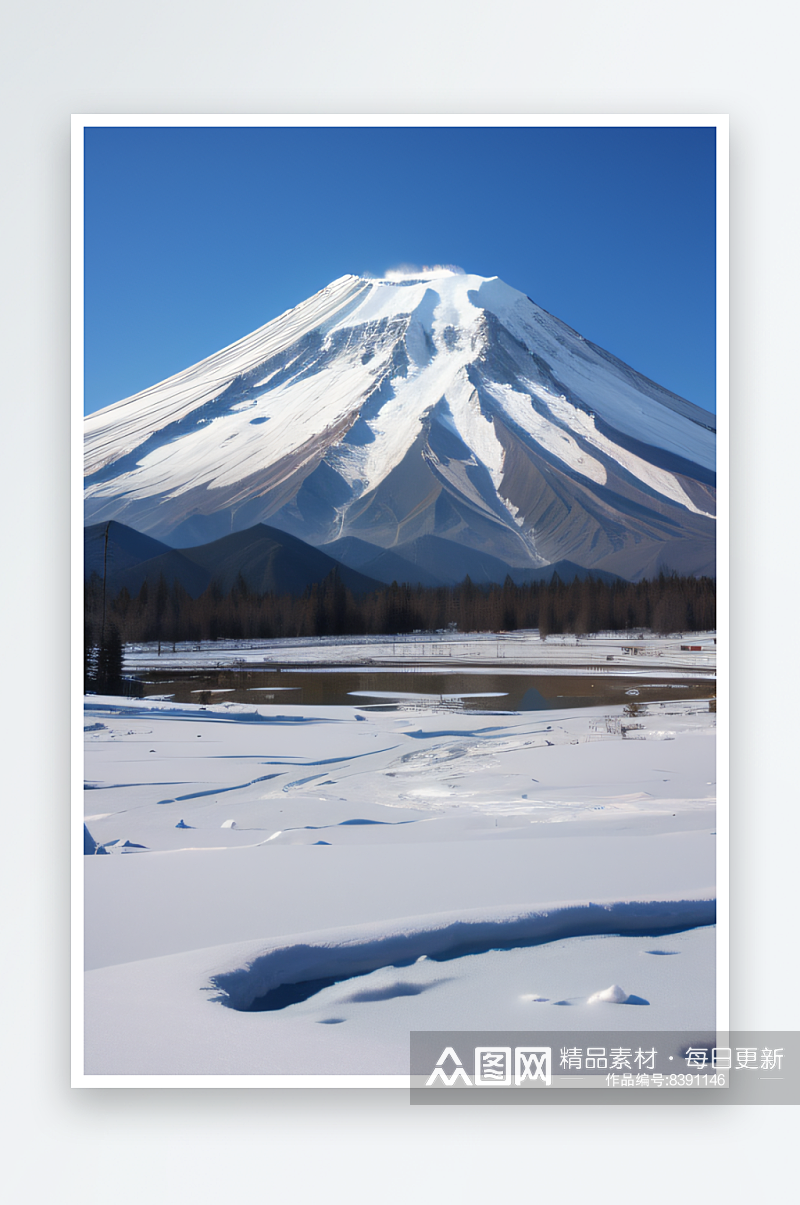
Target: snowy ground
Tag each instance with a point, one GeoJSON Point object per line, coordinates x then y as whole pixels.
{"type": "Point", "coordinates": [382, 871]}
{"type": "Point", "coordinates": [610, 652]}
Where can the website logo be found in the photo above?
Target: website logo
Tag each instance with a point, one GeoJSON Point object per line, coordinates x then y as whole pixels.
{"type": "Point", "coordinates": [440, 1073]}
{"type": "Point", "coordinates": [495, 1066]}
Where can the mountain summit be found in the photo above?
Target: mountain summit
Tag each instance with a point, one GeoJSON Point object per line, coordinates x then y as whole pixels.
{"type": "Point", "coordinates": [394, 410]}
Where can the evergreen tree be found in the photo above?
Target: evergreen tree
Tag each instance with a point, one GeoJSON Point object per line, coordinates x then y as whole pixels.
{"type": "Point", "coordinates": [109, 662]}
{"type": "Point", "coordinates": [89, 657]}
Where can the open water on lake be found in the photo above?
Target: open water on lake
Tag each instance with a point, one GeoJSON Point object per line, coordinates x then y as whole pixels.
{"type": "Point", "coordinates": [392, 690]}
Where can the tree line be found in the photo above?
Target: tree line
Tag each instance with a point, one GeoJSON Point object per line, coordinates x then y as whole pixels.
{"type": "Point", "coordinates": [167, 613]}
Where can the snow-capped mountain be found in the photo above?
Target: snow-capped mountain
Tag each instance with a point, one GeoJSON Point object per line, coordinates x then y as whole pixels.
{"type": "Point", "coordinates": [393, 410]}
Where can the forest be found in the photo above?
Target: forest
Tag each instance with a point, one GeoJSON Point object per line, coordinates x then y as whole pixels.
{"type": "Point", "coordinates": [167, 613]}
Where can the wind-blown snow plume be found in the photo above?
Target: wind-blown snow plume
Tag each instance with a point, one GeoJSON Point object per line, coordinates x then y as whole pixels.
{"type": "Point", "coordinates": [414, 271]}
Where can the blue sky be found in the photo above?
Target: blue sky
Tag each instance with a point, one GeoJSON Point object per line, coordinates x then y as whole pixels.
{"type": "Point", "coordinates": [196, 236]}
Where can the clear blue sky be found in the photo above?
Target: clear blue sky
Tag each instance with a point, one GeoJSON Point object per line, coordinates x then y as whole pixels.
{"type": "Point", "coordinates": [196, 236]}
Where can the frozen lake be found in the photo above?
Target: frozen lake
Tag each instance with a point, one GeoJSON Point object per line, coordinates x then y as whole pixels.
{"type": "Point", "coordinates": [473, 689]}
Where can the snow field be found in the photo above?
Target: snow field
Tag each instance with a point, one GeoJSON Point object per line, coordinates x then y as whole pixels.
{"type": "Point", "coordinates": [162, 1016]}
{"type": "Point", "coordinates": [284, 773]}
{"type": "Point", "coordinates": [270, 848]}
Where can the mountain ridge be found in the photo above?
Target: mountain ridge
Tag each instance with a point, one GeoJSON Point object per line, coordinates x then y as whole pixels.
{"type": "Point", "coordinates": [268, 560]}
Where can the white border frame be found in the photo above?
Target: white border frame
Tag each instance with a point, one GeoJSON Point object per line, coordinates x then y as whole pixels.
{"type": "Point", "coordinates": [79, 122]}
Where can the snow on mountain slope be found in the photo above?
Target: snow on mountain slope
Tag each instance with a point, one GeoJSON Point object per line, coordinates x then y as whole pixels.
{"type": "Point", "coordinates": [390, 410]}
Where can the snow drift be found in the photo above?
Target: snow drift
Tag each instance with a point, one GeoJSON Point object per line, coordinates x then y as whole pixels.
{"type": "Point", "coordinates": [345, 953]}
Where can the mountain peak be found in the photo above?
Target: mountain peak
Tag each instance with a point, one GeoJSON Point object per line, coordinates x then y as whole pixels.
{"type": "Point", "coordinates": [427, 402]}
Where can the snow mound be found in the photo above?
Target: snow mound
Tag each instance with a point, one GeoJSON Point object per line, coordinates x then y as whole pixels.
{"type": "Point", "coordinates": [610, 995]}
